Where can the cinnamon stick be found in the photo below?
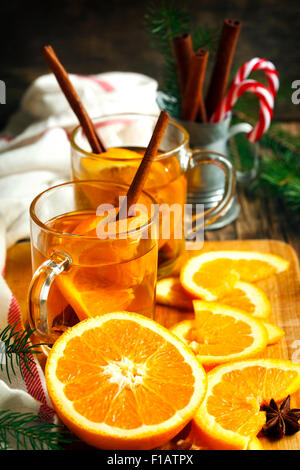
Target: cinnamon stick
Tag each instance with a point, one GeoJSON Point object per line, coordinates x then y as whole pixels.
{"type": "Point", "coordinates": [139, 179]}
{"type": "Point", "coordinates": [70, 93]}
{"type": "Point", "coordinates": [193, 101]}
{"type": "Point", "coordinates": [183, 49]}
{"type": "Point", "coordinates": [219, 79]}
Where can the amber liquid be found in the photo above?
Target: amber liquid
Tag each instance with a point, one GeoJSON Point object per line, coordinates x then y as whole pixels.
{"type": "Point", "coordinates": [105, 275]}
{"type": "Point", "coordinates": [165, 182]}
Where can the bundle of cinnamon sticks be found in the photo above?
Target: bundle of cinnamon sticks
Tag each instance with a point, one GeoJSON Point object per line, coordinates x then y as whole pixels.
{"type": "Point", "coordinates": [191, 68]}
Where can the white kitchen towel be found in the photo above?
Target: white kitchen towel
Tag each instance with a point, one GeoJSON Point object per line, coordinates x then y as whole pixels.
{"type": "Point", "coordinates": [34, 155]}
{"type": "Point", "coordinates": [34, 147]}
{"type": "Point", "coordinates": [20, 391]}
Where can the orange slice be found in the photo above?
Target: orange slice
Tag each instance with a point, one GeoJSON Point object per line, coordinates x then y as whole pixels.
{"type": "Point", "coordinates": [213, 275]}
{"type": "Point", "coordinates": [274, 332]}
{"type": "Point", "coordinates": [230, 416]}
{"type": "Point", "coordinates": [221, 334]}
{"type": "Point", "coordinates": [249, 298]}
{"type": "Point", "coordinates": [91, 226]}
{"type": "Point", "coordinates": [170, 292]}
{"type": "Point", "coordinates": [187, 332]}
{"type": "Point", "coordinates": [245, 296]}
{"type": "Point", "coordinates": [103, 278]}
{"type": "Point", "coordinates": [202, 443]}
{"type": "Point", "coordinates": [90, 294]}
{"type": "Point", "coordinates": [120, 165]}
{"type": "Point", "coordinates": [122, 381]}
{"type": "Point", "coordinates": [255, 444]}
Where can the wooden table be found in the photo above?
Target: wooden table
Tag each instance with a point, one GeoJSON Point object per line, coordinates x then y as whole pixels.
{"type": "Point", "coordinates": [283, 291]}
{"type": "Point", "coordinates": [95, 37]}
{"type": "Point", "coordinates": [261, 218]}
{"type": "Point", "coordinates": [258, 219]}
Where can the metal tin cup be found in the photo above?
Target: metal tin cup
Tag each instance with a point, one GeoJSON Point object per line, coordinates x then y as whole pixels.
{"type": "Point", "coordinates": [206, 183]}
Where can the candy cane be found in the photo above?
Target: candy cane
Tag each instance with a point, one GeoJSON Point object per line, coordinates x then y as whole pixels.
{"type": "Point", "coordinates": [259, 64]}
{"type": "Point", "coordinates": [266, 100]}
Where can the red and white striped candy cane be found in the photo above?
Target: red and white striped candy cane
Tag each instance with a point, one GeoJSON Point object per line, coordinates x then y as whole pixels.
{"type": "Point", "coordinates": [259, 64]}
{"type": "Point", "coordinates": [266, 100]}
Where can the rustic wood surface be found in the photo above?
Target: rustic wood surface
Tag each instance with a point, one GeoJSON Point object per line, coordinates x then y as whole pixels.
{"type": "Point", "coordinates": [259, 219]}
{"type": "Point", "coordinates": [283, 291]}
{"type": "Point", "coordinates": [94, 37]}
{"type": "Point", "coordinates": [108, 36]}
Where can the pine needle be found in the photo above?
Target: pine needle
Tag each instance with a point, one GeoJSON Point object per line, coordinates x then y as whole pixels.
{"type": "Point", "coordinates": [17, 350]}
{"type": "Point", "coordinates": [28, 432]}
{"type": "Point", "coordinates": [163, 21]}
{"type": "Point", "coordinates": [279, 172]}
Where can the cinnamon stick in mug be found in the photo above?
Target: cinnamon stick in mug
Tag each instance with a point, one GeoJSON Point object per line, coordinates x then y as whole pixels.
{"type": "Point", "coordinates": [193, 101]}
{"type": "Point", "coordinates": [183, 50]}
{"type": "Point", "coordinates": [140, 177]}
{"type": "Point", "coordinates": [221, 71]}
{"type": "Point", "coordinates": [71, 95]}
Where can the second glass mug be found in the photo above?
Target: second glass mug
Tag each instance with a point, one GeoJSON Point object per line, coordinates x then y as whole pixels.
{"type": "Point", "coordinates": [167, 181]}
{"type": "Point", "coordinates": [76, 273]}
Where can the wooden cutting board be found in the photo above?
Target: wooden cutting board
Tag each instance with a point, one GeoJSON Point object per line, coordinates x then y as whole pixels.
{"type": "Point", "coordinates": [283, 291]}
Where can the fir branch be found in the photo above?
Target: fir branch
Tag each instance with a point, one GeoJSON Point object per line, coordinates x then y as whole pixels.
{"type": "Point", "coordinates": [17, 349]}
{"type": "Point", "coordinates": [279, 172]}
{"type": "Point", "coordinates": [205, 37]}
{"type": "Point", "coordinates": [279, 177]}
{"type": "Point", "coordinates": [28, 431]}
{"type": "Point", "coordinates": [163, 21]}
{"type": "Point", "coordinates": [275, 135]}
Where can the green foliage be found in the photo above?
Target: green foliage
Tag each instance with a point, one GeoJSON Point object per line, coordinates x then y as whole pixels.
{"type": "Point", "coordinates": [279, 172]}
{"type": "Point", "coordinates": [241, 150]}
{"type": "Point", "coordinates": [164, 20]}
{"type": "Point", "coordinates": [279, 175]}
{"type": "Point", "coordinates": [17, 349]}
{"type": "Point", "coordinates": [205, 37]}
{"type": "Point", "coordinates": [27, 431]}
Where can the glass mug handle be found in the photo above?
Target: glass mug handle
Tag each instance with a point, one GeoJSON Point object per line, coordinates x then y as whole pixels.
{"type": "Point", "coordinates": [39, 290]}
{"type": "Point", "coordinates": [206, 157]}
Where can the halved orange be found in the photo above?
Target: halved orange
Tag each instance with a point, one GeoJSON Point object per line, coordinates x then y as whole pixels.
{"type": "Point", "coordinates": [202, 443]}
{"type": "Point", "coordinates": [221, 334]}
{"type": "Point", "coordinates": [169, 291]}
{"type": "Point", "coordinates": [230, 416]}
{"type": "Point", "coordinates": [122, 381]}
{"type": "Point", "coordinates": [212, 275]}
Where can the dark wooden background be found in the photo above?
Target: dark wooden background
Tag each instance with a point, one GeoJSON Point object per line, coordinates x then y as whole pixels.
{"type": "Point", "coordinates": [94, 37]}
{"type": "Point", "coordinates": [99, 36]}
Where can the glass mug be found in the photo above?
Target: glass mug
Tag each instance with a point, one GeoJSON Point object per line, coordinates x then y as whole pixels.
{"type": "Point", "coordinates": [76, 273]}
{"type": "Point", "coordinates": [167, 180]}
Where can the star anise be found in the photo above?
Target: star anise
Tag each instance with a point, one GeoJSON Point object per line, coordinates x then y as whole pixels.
{"type": "Point", "coordinates": [281, 420]}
